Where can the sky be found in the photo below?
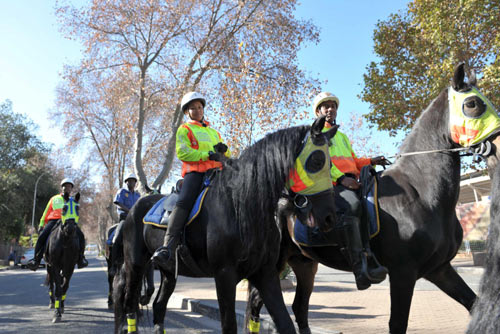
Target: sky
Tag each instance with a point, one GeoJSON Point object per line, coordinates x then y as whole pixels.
{"type": "Point", "coordinates": [34, 52]}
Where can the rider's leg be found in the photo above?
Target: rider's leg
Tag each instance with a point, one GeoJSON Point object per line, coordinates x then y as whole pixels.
{"type": "Point", "coordinates": [164, 256]}
{"type": "Point", "coordinates": [376, 271]}
{"type": "Point", "coordinates": [349, 206]}
{"type": "Point", "coordinates": [82, 261]}
{"type": "Point", "coordinates": [40, 245]}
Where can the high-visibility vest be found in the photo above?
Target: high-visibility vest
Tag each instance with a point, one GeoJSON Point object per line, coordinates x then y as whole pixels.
{"type": "Point", "coordinates": [53, 210]}
{"type": "Point", "coordinates": [343, 159]}
{"type": "Point", "coordinates": [194, 141]}
{"type": "Point", "coordinates": [70, 211]}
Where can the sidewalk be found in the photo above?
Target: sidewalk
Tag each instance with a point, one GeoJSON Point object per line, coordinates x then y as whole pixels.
{"type": "Point", "coordinates": [336, 306]}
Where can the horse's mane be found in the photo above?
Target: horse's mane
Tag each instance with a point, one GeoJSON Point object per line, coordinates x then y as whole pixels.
{"type": "Point", "coordinates": [254, 182]}
{"type": "Point", "coordinates": [433, 121]}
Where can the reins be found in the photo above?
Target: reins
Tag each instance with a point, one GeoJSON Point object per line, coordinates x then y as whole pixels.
{"type": "Point", "coordinates": [479, 152]}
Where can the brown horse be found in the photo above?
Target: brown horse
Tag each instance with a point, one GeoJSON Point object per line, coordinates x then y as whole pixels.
{"type": "Point", "coordinates": [420, 233]}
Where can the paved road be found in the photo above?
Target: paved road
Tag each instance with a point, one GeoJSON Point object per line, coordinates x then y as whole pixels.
{"type": "Point", "coordinates": [24, 305]}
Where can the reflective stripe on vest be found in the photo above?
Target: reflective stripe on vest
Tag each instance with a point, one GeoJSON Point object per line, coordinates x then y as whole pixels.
{"type": "Point", "coordinates": [301, 181]}
{"type": "Point", "coordinates": [466, 130]}
{"type": "Point", "coordinates": [70, 211]}
{"type": "Point", "coordinates": [201, 138]}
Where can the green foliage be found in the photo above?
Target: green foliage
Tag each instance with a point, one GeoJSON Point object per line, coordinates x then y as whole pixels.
{"type": "Point", "coordinates": [22, 157]}
{"type": "Point", "coordinates": [418, 50]}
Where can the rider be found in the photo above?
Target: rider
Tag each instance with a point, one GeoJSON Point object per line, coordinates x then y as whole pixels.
{"type": "Point", "coordinates": [125, 198]}
{"type": "Point", "coordinates": [345, 172]}
{"type": "Point", "coordinates": [200, 149]}
{"type": "Point", "coordinates": [50, 217]}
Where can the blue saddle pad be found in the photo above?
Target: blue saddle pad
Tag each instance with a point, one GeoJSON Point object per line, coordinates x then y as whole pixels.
{"type": "Point", "coordinates": [111, 235]}
{"type": "Point", "coordinates": [312, 236]}
{"type": "Point", "coordinates": [165, 206]}
{"type": "Point", "coordinates": [371, 205]}
{"type": "Point", "coordinates": [155, 214]}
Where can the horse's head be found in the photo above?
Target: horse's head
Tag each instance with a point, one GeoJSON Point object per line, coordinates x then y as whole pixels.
{"type": "Point", "coordinates": [474, 121]}
{"type": "Point", "coordinates": [310, 182]}
{"type": "Point", "coordinates": [70, 214]}
{"type": "Point", "coordinates": [152, 191]}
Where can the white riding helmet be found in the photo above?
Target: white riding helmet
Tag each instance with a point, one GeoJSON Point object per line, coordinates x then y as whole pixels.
{"type": "Point", "coordinates": [130, 176]}
{"type": "Point", "coordinates": [323, 97]}
{"type": "Point", "coordinates": [67, 180]}
{"type": "Point", "coordinates": [189, 97]}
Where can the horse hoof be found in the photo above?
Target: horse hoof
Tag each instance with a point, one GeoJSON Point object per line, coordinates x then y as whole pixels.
{"type": "Point", "coordinates": [158, 329]}
{"type": "Point", "coordinates": [144, 300]}
{"type": "Point", "coordinates": [56, 319]}
{"type": "Point", "coordinates": [51, 306]}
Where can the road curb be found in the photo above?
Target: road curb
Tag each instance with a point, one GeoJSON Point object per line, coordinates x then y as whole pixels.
{"type": "Point", "coordinates": [212, 311]}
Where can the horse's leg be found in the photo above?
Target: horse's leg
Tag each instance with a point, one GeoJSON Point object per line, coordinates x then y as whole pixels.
{"type": "Point", "coordinates": [402, 283]}
{"type": "Point", "coordinates": [252, 314]}
{"type": "Point", "coordinates": [305, 271]}
{"type": "Point", "coordinates": [65, 286]}
{"type": "Point", "coordinates": [150, 284]}
{"type": "Point", "coordinates": [267, 281]}
{"type": "Point", "coordinates": [167, 287]}
{"type": "Point", "coordinates": [225, 284]}
{"type": "Point", "coordinates": [50, 284]}
{"type": "Point", "coordinates": [55, 273]}
{"type": "Point", "coordinates": [110, 287]}
{"type": "Point", "coordinates": [133, 278]}
{"type": "Point", "coordinates": [448, 280]}
{"type": "Point", "coordinates": [110, 277]}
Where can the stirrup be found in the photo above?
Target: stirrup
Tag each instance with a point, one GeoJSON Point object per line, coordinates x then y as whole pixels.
{"type": "Point", "coordinates": [33, 264]}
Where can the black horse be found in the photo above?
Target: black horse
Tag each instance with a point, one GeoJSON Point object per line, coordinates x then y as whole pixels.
{"type": "Point", "coordinates": [485, 313]}
{"type": "Point", "coordinates": [235, 235]}
{"type": "Point", "coordinates": [61, 255]}
{"type": "Point", "coordinates": [420, 233]}
{"type": "Point", "coordinates": [109, 262]}
{"type": "Point", "coordinates": [114, 260]}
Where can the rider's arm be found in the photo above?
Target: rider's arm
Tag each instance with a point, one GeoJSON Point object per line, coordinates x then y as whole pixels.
{"type": "Point", "coordinates": [119, 200]}
{"type": "Point", "coordinates": [48, 210]}
{"type": "Point", "coordinates": [184, 150]}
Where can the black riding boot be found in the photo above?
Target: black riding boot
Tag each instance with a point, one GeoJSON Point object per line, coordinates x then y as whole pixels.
{"type": "Point", "coordinates": [377, 272]}
{"type": "Point", "coordinates": [82, 261]}
{"type": "Point", "coordinates": [355, 249]}
{"type": "Point", "coordinates": [164, 257]}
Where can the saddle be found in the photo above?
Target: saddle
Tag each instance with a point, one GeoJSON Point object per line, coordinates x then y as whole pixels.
{"type": "Point", "coordinates": [311, 236]}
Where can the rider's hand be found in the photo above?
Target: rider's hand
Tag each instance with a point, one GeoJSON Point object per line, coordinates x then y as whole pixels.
{"type": "Point", "coordinates": [214, 156]}
{"type": "Point", "coordinates": [380, 160]}
{"type": "Point", "coordinates": [220, 147]}
{"type": "Point", "coordinates": [350, 183]}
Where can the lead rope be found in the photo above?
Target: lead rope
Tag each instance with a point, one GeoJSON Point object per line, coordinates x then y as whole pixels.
{"type": "Point", "coordinates": [479, 153]}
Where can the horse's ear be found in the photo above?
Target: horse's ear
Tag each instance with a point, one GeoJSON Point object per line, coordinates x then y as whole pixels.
{"type": "Point", "coordinates": [148, 190]}
{"type": "Point", "coordinates": [458, 77]}
{"type": "Point", "coordinates": [472, 78]}
{"type": "Point", "coordinates": [77, 197]}
{"type": "Point", "coordinates": [331, 133]}
{"type": "Point", "coordinates": [318, 125]}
